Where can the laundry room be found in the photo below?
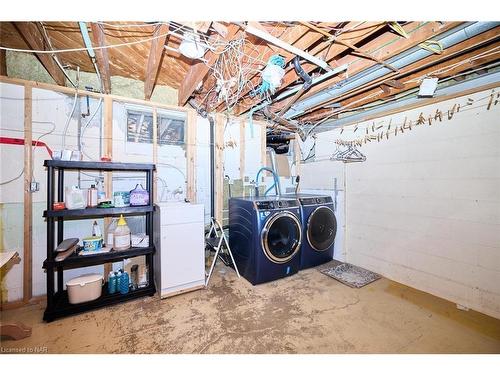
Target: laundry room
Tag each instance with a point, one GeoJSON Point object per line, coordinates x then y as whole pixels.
{"type": "Point", "coordinates": [253, 184]}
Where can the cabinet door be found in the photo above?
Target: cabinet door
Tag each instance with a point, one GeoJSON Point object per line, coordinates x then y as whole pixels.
{"type": "Point", "coordinates": [183, 254]}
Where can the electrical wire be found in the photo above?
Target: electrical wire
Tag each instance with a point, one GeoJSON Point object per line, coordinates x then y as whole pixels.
{"type": "Point", "coordinates": [85, 128]}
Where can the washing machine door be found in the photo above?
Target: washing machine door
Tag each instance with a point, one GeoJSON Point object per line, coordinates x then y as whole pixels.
{"type": "Point", "coordinates": [281, 237]}
{"type": "Point", "coordinates": [321, 228]}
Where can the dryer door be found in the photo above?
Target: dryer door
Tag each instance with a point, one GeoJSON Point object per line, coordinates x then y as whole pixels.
{"type": "Point", "coordinates": [321, 228]}
{"type": "Point", "coordinates": [281, 237]}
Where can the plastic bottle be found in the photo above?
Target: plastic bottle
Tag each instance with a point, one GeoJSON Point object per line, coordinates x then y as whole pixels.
{"type": "Point", "coordinates": [110, 231]}
{"type": "Point", "coordinates": [101, 194]}
{"type": "Point", "coordinates": [96, 230]}
{"type": "Point", "coordinates": [118, 280]}
{"type": "Point", "coordinates": [111, 283]}
{"type": "Point", "coordinates": [124, 283]}
{"type": "Point", "coordinates": [92, 196]}
{"type": "Point", "coordinates": [121, 235]}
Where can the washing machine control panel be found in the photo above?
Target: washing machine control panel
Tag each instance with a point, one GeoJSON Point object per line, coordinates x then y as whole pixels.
{"type": "Point", "coordinates": [315, 200]}
{"type": "Point", "coordinates": [276, 204]}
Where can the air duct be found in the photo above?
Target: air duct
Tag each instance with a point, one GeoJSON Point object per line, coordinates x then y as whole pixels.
{"type": "Point", "coordinates": [447, 39]}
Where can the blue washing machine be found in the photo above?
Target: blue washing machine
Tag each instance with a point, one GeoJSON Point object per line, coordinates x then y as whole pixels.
{"type": "Point", "coordinates": [319, 226]}
{"type": "Point", "coordinates": [265, 235]}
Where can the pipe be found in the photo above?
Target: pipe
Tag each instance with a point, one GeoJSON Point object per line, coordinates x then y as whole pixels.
{"type": "Point", "coordinates": [273, 166]}
{"type": "Point", "coordinates": [450, 90]}
{"type": "Point", "coordinates": [88, 44]}
{"type": "Point", "coordinates": [278, 42]}
{"type": "Point", "coordinates": [275, 177]}
{"type": "Point", "coordinates": [212, 166]}
{"type": "Point", "coordinates": [86, 39]}
{"type": "Point", "coordinates": [447, 39]}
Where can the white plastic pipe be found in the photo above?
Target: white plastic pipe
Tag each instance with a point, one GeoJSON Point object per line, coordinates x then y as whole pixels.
{"type": "Point", "coordinates": [278, 42]}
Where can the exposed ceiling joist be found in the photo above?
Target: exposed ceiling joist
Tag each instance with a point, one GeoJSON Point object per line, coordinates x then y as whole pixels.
{"type": "Point", "coordinates": [154, 59]}
{"type": "Point", "coordinates": [199, 71]}
{"type": "Point", "coordinates": [3, 63]}
{"type": "Point", "coordinates": [418, 34]}
{"type": "Point", "coordinates": [331, 51]}
{"type": "Point", "coordinates": [458, 49]}
{"type": "Point", "coordinates": [448, 68]}
{"type": "Point", "coordinates": [31, 34]}
{"type": "Point", "coordinates": [102, 59]}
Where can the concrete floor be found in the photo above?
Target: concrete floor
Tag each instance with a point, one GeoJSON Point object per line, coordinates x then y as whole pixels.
{"type": "Point", "coordinates": [305, 313]}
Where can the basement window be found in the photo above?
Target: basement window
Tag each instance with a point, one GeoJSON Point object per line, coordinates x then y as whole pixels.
{"type": "Point", "coordinates": [171, 127]}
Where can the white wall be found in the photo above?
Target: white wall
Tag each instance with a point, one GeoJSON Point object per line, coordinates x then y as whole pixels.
{"type": "Point", "coordinates": [50, 111]}
{"type": "Point", "coordinates": [424, 208]}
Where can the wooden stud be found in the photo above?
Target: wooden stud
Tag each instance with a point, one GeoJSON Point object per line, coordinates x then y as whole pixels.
{"type": "Point", "coordinates": [199, 70]}
{"type": "Point", "coordinates": [191, 156]}
{"type": "Point", "coordinates": [154, 59]}
{"type": "Point", "coordinates": [102, 59]}
{"type": "Point", "coordinates": [219, 160]}
{"type": "Point", "coordinates": [92, 94]}
{"type": "Point", "coordinates": [108, 152]}
{"type": "Point", "coordinates": [28, 209]}
{"type": "Point", "coordinates": [242, 149]}
{"type": "Point", "coordinates": [155, 152]}
{"type": "Point", "coordinates": [297, 155]}
{"type": "Point", "coordinates": [31, 34]}
{"type": "Point", "coordinates": [3, 62]}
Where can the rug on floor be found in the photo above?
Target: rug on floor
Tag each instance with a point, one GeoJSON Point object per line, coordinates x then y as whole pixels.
{"type": "Point", "coordinates": [348, 274]}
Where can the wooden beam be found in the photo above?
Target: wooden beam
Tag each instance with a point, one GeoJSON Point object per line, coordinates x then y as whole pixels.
{"type": "Point", "coordinates": [332, 51]}
{"type": "Point", "coordinates": [28, 199]}
{"type": "Point", "coordinates": [155, 154]}
{"type": "Point", "coordinates": [430, 61]}
{"type": "Point", "coordinates": [391, 48]}
{"type": "Point", "coordinates": [220, 121]}
{"type": "Point", "coordinates": [191, 156]}
{"type": "Point", "coordinates": [199, 70]}
{"type": "Point", "coordinates": [349, 45]}
{"type": "Point", "coordinates": [108, 152]}
{"type": "Point", "coordinates": [154, 59]}
{"type": "Point", "coordinates": [3, 63]}
{"type": "Point", "coordinates": [242, 150]}
{"type": "Point", "coordinates": [31, 34]}
{"type": "Point", "coordinates": [412, 81]}
{"type": "Point", "coordinates": [101, 55]}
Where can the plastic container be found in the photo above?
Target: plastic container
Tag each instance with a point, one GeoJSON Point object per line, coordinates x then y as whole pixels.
{"type": "Point", "coordinates": [84, 288]}
{"type": "Point", "coordinates": [92, 196]}
{"type": "Point", "coordinates": [110, 232]}
{"type": "Point", "coordinates": [101, 194]}
{"type": "Point", "coordinates": [92, 243]}
{"type": "Point", "coordinates": [74, 198]}
{"type": "Point", "coordinates": [139, 196]}
{"type": "Point", "coordinates": [121, 198]}
{"type": "Point", "coordinates": [121, 235]}
{"type": "Point", "coordinates": [111, 283]}
{"type": "Point", "coordinates": [124, 283]}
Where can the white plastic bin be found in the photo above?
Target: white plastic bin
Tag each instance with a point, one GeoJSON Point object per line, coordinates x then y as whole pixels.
{"type": "Point", "coordinates": [84, 288]}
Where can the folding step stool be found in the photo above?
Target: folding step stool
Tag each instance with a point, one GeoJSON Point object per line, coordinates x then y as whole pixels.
{"type": "Point", "coordinates": [219, 243]}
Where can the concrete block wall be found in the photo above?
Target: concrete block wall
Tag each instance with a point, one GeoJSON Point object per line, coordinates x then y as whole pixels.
{"type": "Point", "coordinates": [424, 208]}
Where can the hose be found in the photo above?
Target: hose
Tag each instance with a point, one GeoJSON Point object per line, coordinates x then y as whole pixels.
{"type": "Point", "coordinates": [275, 176]}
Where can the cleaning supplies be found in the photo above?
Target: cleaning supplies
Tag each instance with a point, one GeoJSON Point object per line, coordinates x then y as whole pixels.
{"type": "Point", "coordinates": [96, 229]}
{"type": "Point", "coordinates": [111, 283]}
{"type": "Point", "coordinates": [121, 235]}
{"type": "Point", "coordinates": [101, 194]}
{"type": "Point", "coordinates": [124, 283]}
{"type": "Point", "coordinates": [92, 196]}
{"type": "Point", "coordinates": [139, 196]}
{"type": "Point", "coordinates": [73, 198]}
{"type": "Point", "coordinates": [110, 232]}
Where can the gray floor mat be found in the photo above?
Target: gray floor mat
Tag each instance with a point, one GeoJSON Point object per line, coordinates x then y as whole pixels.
{"type": "Point", "coordinates": [348, 274]}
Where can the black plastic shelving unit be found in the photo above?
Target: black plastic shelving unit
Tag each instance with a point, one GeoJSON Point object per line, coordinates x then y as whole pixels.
{"type": "Point", "coordinates": [58, 305]}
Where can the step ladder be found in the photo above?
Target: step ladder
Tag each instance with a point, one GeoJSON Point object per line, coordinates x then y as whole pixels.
{"type": "Point", "coordinates": [220, 244]}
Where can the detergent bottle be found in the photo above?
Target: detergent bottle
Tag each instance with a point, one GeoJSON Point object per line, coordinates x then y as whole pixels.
{"type": "Point", "coordinates": [121, 236]}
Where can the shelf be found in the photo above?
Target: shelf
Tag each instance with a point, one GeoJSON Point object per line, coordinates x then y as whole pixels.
{"type": "Point", "coordinates": [61, 306]}
{"type": "Point", "coordinates": [95, 212]}
{"type": "Point", "coordinates": [76, 261]}
{"type": "Point", "coordinates": [99, 165]}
